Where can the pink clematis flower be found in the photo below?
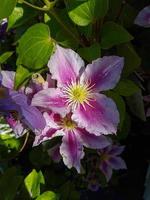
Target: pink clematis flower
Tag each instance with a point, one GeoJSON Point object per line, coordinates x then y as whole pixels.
{"type": "Point", "coordinates": [73, 140]}
{"type": "Point", "coordinates": [78, 90]}
{"type": "Point", "coordinates": [110, 160]}
{"type": "Point", "coordinates": [143, 18]}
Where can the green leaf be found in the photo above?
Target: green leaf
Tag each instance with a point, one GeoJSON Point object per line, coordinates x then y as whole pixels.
{"type": "Point", "coordinates": [6, 8]}
{"type": "Point", "coordinates": [20, 15]}
{"type": "Point", "coordinates": [9, 183]}
{"type": "Point", "coordinates": [5, 56]}
{"type": "Point", "coordinates": [35, 47]}
{"type": "Point", "coordinates": [84, 13]}
{"type": "Point", "coordinates": [33, 181]}
{"type": "Point", "coordinates": [120, 105]}
{"type": "Point", "coordinates": [132, 60]}
{"type": "Point", "coordinates": [22, 74]}
{"type": "Point", "coordinates": [15, 16]}
{"type": "Point", "coordinates": [48, 196]}
{"type": "Point", "coordinates": [90, 53]}
{"type": "Point", "coordinates": [123, 133]}
{"type": "Point", "coordinates": [136, 105]}
{"type": "Point", "coordinates": [126, 88]}
{"type": "Point", "coordinates": [113, 34]}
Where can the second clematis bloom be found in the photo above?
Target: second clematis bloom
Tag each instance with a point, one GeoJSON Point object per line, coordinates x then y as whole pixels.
{"type": "Point", "coordinates": [78, 90]}
{"type": "Point", "coordinates": [73, 138]}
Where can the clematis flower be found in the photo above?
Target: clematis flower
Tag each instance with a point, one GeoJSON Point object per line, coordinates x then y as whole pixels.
{"type": "Point", "coordinates": [78, 90]}
{"type": "Point", "coordinates": [73, 138]}
{"type": "Point", "coordinates": [110, 160]}
{"type": "Point", "coordinates": [14, 106]}
{"type": "Point", "coordinates": [143, 18]}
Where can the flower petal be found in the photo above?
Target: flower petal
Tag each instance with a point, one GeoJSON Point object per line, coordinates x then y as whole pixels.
{"type": "Point", "coordinates": [54, 153]}
{"type": "Point", "coordinates": [100, 117]}
{"type": "Point", "coordinates": [71, 151]}
{"type": "Point", "coordinates": [65, 65]}
{"type": "Point", "coordinates": [17, 127]}
{"type": "Point", "coordinates": [33, 118]}
{"type": "Point", "coordinates": [46, 134]}
{"type": "Point", "coordinates": [143, 18]}
{"type": "Point", "coordinates": [51, 129]}
{"type": "Point", "coordinates": [51, 99]}
{"type": "Point", "coordinates": [116, 163]}
{"type": "Point", "coordinates": [106, 169]}
{"type": "Point", "coordinates": [115, 150]}
{"type": "Point", "coordinates": [8, 79]}
{"type": "Point", "coordinates": [91, 140]}
{"type": "Point", "coordinates": [104, 73]}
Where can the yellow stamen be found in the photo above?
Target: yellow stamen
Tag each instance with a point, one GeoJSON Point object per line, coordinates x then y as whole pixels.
{"type": "Point", "coordinates": [67, 123]}
{"type": "Point", "coordinates": [77, 93]}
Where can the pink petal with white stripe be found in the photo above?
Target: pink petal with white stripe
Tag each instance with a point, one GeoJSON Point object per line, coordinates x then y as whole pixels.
{"type": "Point", "coordinates": [100, 117]}
{"type": "Point", "coordinates": [51, 99]}
{"type": "Point", "coordinates": [104, 73]}
{"type": "Point", "coordinates": [72, 151]}
{"type": "Point", "coordinates": [65, 65]}
{"type": "Point", "coordinates": [91, 140]}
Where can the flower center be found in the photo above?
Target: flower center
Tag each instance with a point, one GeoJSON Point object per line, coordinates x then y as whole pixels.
{"type": "Point", "coordinates": [78, 93]}
{"type": "Point", "coordinates": [68, 123]}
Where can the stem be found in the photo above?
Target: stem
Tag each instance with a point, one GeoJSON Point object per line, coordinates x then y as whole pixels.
{"type": "Point", "coordinates": [66, 28]}
{"type": "Point", "coordinates": [35, 7]}
{"type": "Point", "coordinates": [120, 11]}
{"type": "Point", "coordinates": [25, 142]}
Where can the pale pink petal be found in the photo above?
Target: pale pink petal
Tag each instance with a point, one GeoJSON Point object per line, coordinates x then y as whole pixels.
{"type": "Point", "coordinates": [104, 73]}
{"type": "Point", "coordinates": [91, 140]}
{"type": "Point", "coordinates": [65, 65]}
{"type": "Point", "coordinates": [100, 117]}
{"type": "Point", "coordinates": [106, 169]}
{"type": "Point", "coordinates": [143, 18]}
{"type": "Point", "coordinates": [51, 99]}
{"type": "Point", "coordinates": [8, 78]}
{"type": "Point", "coordinates": [116, 163]}
{"type": "Point", "coordinates": [71, 151]}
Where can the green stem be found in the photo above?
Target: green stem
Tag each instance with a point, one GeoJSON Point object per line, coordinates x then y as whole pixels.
{"type": "Point", "coordinates": [35, 7]}
{"type": "Point", "coordinates": [65, 27]}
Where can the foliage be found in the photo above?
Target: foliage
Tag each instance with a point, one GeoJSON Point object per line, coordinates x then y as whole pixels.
{"type": "Point", "coordinates": [93, 29]}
